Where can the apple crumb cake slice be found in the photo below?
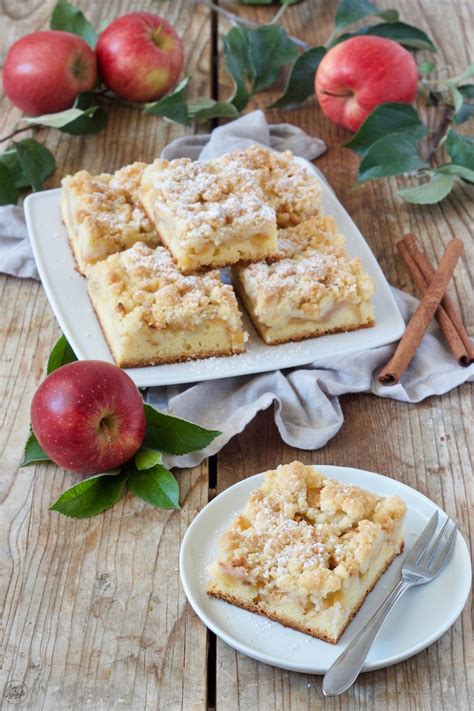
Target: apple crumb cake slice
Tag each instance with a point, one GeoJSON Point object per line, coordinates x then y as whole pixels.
{"type": "Point", "coordinates": [150, 313]}
{"type": "Point", "coordinates": [314, 289]}
{"type": "Point", "coordinates": [103, 214]}
{"type": "Point", "coordinates": [208, 214]}
{"type": "Point", "coordinates": [307, 550]}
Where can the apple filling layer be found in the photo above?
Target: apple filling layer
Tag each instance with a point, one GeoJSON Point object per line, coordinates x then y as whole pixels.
{"type": "Point", "coordinates": [103, 214]}
{"type": "Point", "coordinates": [150, 313]}
{"type": "Point", "coordinates": [314, 289]}
{"type": "Point", "coordinates": [306, 550]}
{"type": "Point", "coordinates": [208, 214]}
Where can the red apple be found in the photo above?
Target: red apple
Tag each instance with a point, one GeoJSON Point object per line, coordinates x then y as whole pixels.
{"type": "Point", "coordinates": [45, 71]}
{"type": "Point", "coordinates": [360, 73]}
{"type": "Point", "coordinates": [140, 56]}
{"type": "Point", "coordinates": [88, 416]}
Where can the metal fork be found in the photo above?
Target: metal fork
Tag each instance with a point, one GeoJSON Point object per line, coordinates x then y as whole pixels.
{"type": "Point", "coordinates": [422, 564]}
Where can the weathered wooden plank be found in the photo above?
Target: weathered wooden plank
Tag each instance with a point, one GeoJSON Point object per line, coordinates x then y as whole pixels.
{"type": "Point", "coordinates": [426, 446]}
{"type": "Point", "coordinates": [93, 615]}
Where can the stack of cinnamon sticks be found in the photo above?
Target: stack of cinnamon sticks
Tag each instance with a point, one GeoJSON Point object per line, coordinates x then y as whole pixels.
{"type": "Point", "coordinates": [434, 303]}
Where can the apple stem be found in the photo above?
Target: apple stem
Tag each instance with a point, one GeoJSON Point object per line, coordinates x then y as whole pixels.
{"type": "Point", "coordinates": [14, 133]}
{"type": "Point", "coordinates": [155, 36]}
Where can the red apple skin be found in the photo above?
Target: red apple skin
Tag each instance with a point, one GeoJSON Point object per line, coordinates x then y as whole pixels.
{"type": "Point", "coordinates": [45, 71]}
{"type": "Point", "coordinates": [360, 73]}
{"type": "Point", "coordinates": [88, 416]}
{"type": "Point", "coordinates": [140, 56]}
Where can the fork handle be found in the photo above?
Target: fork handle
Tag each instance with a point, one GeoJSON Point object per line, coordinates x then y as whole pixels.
{"type": "Point", "coordinates": [345, 670]}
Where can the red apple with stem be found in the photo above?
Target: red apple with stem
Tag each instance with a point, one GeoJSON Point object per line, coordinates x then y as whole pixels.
{"type": "Point", "coordinates": [45, 71]}
{"type": "Point", "coordinates": [140, 56]}
{"type": "Point", "coordinates": [360, 73]}
{"type": "Point", "coordinates": [88, 416]}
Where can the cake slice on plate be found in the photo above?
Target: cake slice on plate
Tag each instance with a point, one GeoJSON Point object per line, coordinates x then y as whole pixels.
{"type": "Point", "coordinates": [103, 214]}
{"type": "Point", "coordinates": [150, 313]}
{"type": "Point", "coordinates": [315, 288]}
{"type": "Point", "coordinates": [306, 550]}
{"type": "Point", "coordinates": [208, 214]}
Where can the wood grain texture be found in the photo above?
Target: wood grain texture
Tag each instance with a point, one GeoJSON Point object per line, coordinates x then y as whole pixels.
{"type": "Point", "coordinates": [427, 446]}
{"type": "Point", "coordinates": [93, 616]}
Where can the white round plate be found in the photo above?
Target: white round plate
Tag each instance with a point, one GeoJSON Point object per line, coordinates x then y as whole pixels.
{"type": "Point", "coordinates": [419, 619]}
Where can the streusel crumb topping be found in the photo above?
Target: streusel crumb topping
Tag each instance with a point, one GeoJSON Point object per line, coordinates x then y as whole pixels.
{"type": "Point", "coordinates": [317, 232]}
{"type": "Point", "coordinates": [301, 533]}
{"type": "Point", "coordinates": [206, 200]}
{"type": "Point", "coordinates": [148, 288]}
{"type": "Point", "coordinates": [288, 186]}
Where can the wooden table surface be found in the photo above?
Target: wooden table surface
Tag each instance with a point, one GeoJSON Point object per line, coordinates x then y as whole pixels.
{"type": "Point", "coordinates": [93, 614]}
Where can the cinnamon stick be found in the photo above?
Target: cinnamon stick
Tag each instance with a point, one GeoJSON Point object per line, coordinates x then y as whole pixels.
{"type": "Point", "coordinates": [424, 265]}
{"type": "Point", "coordinates": [414, 332]}
{"type": "Point", "coordinates": [454, 340]}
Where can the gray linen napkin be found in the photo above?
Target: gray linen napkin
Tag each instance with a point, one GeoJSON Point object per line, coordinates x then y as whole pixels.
{"type": "Point", "coordinates": [306, 406]}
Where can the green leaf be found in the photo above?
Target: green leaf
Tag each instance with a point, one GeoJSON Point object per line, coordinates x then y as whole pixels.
{"type": "Point", "coordinates": [30, 166]}
{"type": "Point", "coordinates": [270, 49]}
{"type": "Point", "coordinates": [238, 63]}
{"type": "Point", "coordinates": [58, 120]}
{"type": "Point", "coordinates": [404, 34]}
{"type": "Point", "coordinates": [466, 74]}
{"type": "Point", "coordinates": [69, 18]}
{"type": "Point", "coordinates": [426, 67]}
{"type": "Point", "coordinates": [61, 354]}
{"type": "Point", "coordinates": [460, 149]}
{"type": "Point", "coordinates": [147, 458]}
{"type": "Point", "coordinates": [204, 109]}
{"type": "Point", "coordinates": [387, 119]}
{"type": "Point", "coordinates": [429, 193]}
{"type": "Point", "coordinates": [393, 154]}
{"type": "Point", "coordinates": [467, 108]}
{"type": "Point", "coordinates": [457, 98]}
{"type": "Point", "coordinates": [300, 82]}
{"type": "Point", "coordinates": [460, 170]}
{"type": "Point", "coordinates": [174, 436]}
{"type": "Point", "coordinates": [33, 451]}
{"type": "Point", "coordinates": [9, 192]}
{"type": "Point", "coordinates": [74, 121]}
{"type": "Point", "coordinates": [91, 496]}
{"type": "Point", "coordinates": [42, 159]}
{"type": "Point", "coordinates": [467, 90]}
{"type": "Point", "coordinates": [173, 106]}
{"type": "Point", "coordinates": [350, 11]}
{"type": "Point", "coordinates": [157, 486]}
{"type": "Point", "coordinates": [88, 123]}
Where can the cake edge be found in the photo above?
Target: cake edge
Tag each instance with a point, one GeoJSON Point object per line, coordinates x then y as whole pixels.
{"type": "Point", "coordinates": [299, 628]}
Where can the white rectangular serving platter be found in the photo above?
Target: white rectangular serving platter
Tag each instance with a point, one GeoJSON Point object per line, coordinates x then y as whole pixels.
{"type": "Point", "coordinates": [67, 294]}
